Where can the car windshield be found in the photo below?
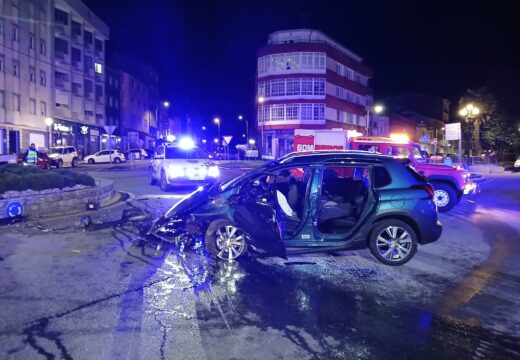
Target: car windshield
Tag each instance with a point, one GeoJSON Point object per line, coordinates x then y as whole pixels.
{"type": "Point", "coordinates": [56, 150]}
{"type": "Point", "coordinates": [179, 153]}
{"type": "Point", "coordinates": [234, 182]}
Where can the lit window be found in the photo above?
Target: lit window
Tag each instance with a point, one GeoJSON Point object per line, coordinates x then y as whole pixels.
{"type": "Point", "coordinates": [98, 68]}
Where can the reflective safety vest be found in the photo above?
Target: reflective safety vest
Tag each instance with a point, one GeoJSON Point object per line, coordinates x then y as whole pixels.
{"type": "Point", "coordinates": [32, 156]}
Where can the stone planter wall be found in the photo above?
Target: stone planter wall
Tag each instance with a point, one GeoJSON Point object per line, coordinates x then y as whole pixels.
{"type": "Point", "coordinates": [64, 202]}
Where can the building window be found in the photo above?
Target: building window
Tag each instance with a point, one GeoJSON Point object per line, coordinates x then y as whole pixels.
{"type": "Point", "coordinates": [32, 106]}
{"type": "Point", "coordinates": [99, 93]}
{"type": "Point", "coordinates": [87, 61]}
{"type": "Point", "coordinates": [32, 75]}
{"type": "Point", "coordinates": [99, 45]}
{"type": "Point", "coordinates": [284, 62]}
{"type": "Point", "coordinates": [89, 88]}
{"type": "Point", "coordinates": [278, 87]}
{"type": "Point", "coordinates": [116, 103]}
{"type": "Point", "coordinates": [43, 78]}
{"type": "Point", "coordinates": [339, 92]}
{"type": "Point", "coordinates": [61, 80]}
{"type": "Point", "coordinates": [76, 28]}
{"type": "Point", "coordinates": [61, 47]}
{"type": "Point", "coordinates": [87, 37]}
{"type": "Point", "coordinates": [61, 17]}
{"type": "Point", "coordinates": [98, 68]}
{"type": "Point", "coordinates": [306, 112]}
{"type": "Point", "coordinates": [291, 112]}
{"type": "Point", "coordinates": [16, 102]}
{"type": "Point", "coordinates": [16, 33]}
{"type": "Point", "coordinates": [16, 68]}
{"type": "Point", "coordinates": [2, 61]}
{"type": "Point", "coordinates": [31, 42]}
{"type": "Point", "coordinates": [76, 57]}
{"type": "Point", "coordinates": [2, 99]}
{"type": "Point", "coordinates": [293, 86]}
{"type": "Point", "coordinates": [319, 112]}
{"type": "Point", "coordinates": [43, 47]}
{"type": "Point", "coordinates": [76, 89]}
{"type": "Point", "coordinates": [43, 108]}
{"type": "Point", "coordinates": [307, 86]}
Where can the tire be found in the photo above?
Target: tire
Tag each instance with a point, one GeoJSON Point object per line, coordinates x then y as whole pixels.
{"type": "Point", "coordinates": [225, 240]}
{"type": "Point", "coordinates": [91, 161]}
{"type": "Point", "coordinates": [59, 164]}
{"type": "Point", "coordinates": [393, 242]}
{"type": "Point", "coordinates": [164, 184]}
{"type": "Point", "coordinates": [444, 196]}
{"type": "Point", "coordinates": [74, 162]}
{"type": "Point", "coordinates": [117, 160]}
{"type": "Point", "coordinates": [151, 179]}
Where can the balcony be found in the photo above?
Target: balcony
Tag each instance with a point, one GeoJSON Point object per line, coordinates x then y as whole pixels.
{"type": "Point", "coordinates": [61, 30]}
{"type": "Point", "coordinates": [62, 112]}
{"type": "Point", "coordinates": [62, 84]}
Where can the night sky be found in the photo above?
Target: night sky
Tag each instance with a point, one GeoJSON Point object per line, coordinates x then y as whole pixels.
{"type": "Point", "coordinates": [205, 51]}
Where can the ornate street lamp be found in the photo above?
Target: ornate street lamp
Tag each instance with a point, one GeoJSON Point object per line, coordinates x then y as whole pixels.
{"type": "Point", "coordinates": [469, 111]}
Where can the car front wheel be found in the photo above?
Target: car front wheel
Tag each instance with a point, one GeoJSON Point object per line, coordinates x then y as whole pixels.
{"type": "Point", "coordinates": [91, 161]}
{"type": "Point", "coordinates": [393, 242]}
{"type": "Point", "coordinates": [59, 164]}
{"type": "Point", "coordinates": [444, 197]}
{"type": "Point", "coordinates": [74, 162]}
{"type": "Point", "coordinates": [225, 240]}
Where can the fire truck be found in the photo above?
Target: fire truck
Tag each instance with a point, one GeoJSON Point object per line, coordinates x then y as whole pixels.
{"type": "Point", "coordinates": [449, 183]}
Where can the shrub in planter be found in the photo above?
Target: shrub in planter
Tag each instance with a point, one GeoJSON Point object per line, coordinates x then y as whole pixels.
{"type": "Point", "coordinates": [14, 177]}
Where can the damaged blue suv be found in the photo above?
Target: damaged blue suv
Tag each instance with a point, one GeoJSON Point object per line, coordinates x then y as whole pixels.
{"type": "Point", "coordinates": [307, 202]}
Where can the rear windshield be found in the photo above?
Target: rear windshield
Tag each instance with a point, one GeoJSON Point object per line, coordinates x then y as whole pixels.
{"type": "Point", "coordinates": [415, 174]}
{"type": "Point", "coordinates": [178, 153]}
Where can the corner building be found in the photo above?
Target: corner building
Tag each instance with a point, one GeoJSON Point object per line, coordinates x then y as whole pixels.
{"type": "Point", "coordinates": [306, 80]}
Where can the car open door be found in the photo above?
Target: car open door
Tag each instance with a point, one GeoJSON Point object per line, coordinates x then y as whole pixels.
{"type": "Point", "coordinates": [254, 210]}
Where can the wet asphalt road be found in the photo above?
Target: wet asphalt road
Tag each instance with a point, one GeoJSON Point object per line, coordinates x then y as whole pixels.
{"type": "Point", "coordinates": [107, 294]}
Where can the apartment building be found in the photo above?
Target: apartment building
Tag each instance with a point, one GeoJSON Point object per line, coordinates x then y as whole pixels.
{"type": "Point", "coordinates": [52, 56]}
{"type": "Point", "coordinates": [306, 80]}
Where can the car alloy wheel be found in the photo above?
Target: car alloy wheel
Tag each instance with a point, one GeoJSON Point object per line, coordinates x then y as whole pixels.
{"type": "Point", "coordinates": [393, 242]}
{"type": "Point", "coordinates": [230, 242]}
{"type": "Point", "coordinates": [441, 198]}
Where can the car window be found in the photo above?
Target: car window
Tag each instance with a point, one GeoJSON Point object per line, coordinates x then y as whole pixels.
{"type": "Point", "coordinates": [381, 177]}
{"type": "Point", "coordinates": [179, 153]}
{"type": "Point", "coordinates": [371, 148]}
{"type": "Point", "coordinates": [415, 174]}
{"type": "Point", "coordinates": [104, 152]}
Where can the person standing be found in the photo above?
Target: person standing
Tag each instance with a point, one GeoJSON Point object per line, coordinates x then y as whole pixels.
{"type": "Point", "coordinates": [30, 156]}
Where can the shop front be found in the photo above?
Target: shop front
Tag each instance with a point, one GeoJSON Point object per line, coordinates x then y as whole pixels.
{"type": "Point", "coordinates": [85, 138]}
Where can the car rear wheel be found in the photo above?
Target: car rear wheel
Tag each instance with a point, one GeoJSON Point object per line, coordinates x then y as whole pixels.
{"type": "Point", "coordinates": [164, 184]}
{"type": "Point", "coordinates": [444, 197]}
{"type": "Point", "coordinates": [393, 242]}
{"type": "Point", "coordinates": [117, 160]}
{"type": "Point", "coordinates": [91, 161]}
{"type": "Point", "coordinates": [74, 162]}
{"type": "Point", "coordinates": [225, 240]}
{"type": "Point", "coordinates": [59, 164]}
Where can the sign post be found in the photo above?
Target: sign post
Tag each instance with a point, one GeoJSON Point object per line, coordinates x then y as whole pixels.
{"type": "Point", "coordinates": [453, 132]}
{"type": "Point", "coordinates": [227, 140]}
{"type": "Point", "coordinates": [110, 130]}
{"type": "Point", "coordinates": [435, 142]}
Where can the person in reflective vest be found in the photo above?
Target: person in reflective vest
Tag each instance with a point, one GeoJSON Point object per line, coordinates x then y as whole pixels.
{"type": "Point", "coordinates": [31, 155]}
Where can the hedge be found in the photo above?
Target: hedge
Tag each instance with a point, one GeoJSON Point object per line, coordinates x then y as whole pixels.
{"type": "Point", "coordinates": [14, 177]}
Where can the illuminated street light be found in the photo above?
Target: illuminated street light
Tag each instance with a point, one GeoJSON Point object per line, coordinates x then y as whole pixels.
{"type": "Point", "coordinates": [252, 141]}
{"type": "Point", "coordinates": [240, 117]}
{"type": "Point", "coordinates": [204, 128]}
{"type": "Point", "coordinates": [378, 109]}
{"type": "Point", "coordinates": [215, 140]}
{"type": "Point", "coordinates": [49, 121]}
{"type": "Point", "coordinates": [261, 99]}
{"type": "Point", "coordinates": [217, 121]}
{"type": "Point", "coordinates": [204, 141]}
{"type": "Point", "coordinates": [166, 104]}
{"type": "Point", "coordinates": [469, 111]}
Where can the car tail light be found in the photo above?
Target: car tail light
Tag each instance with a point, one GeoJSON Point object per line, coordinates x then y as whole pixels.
{"type": "Point", "coordinates": [426, 187]}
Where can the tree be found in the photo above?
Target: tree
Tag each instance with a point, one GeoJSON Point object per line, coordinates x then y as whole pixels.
{"type": "Point", "coordinates": [487, 103]}
{"type": "Point", "coordinates": [500, 132]}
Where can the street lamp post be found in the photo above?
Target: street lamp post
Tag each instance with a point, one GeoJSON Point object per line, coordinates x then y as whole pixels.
{"type": "Point", "coordinates": [469, 111]}
{"type": "Point", "coordinates": [261, 101]}
{"type": "Point", "coordinates": [217, 122]}
{"type": "Point", "coordinates": [377, 109]}
{"type": "Point", "coordinates": [166, 105]}
{"type": "Point", "coordinates": [49, 121]}
{"type": "Point", "coordinates": [240, 117]}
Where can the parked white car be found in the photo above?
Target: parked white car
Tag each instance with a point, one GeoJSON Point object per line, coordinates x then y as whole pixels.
{"type": "Point", "coordinates": [181, 165]}
{"type": "Point", "coordinates": [516, 167]}
{"type": "Point", "coordinates": [8, 159]}
{"type": "Point", "coordinates": [63, 155]}
{"type": "Point", "coordinates": [103, 156]}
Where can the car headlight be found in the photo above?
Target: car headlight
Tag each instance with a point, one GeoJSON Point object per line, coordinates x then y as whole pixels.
{"type": "Point", "coordinates": [213, 171]}
{"type": "Point", "coordinates": [175, 171]}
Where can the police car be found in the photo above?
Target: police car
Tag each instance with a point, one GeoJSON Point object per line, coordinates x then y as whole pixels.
{"type": "Point", "coordinates": [181, 164]}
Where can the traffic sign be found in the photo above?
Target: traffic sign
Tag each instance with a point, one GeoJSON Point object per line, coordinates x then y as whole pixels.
{"type": "Point", "coordinates": [14, 208]}
{"type": "Point", "coordinates": [227, 139]}
{"type": "Point", "coordinates": [452, 131]}
{"type": "Point", "coordinates": [425, 138]}
{"type": "Point", "coordinates": [109, 129]}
